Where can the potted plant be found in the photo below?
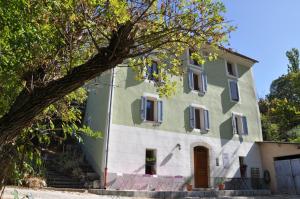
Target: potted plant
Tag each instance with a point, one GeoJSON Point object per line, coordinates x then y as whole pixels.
{"type": "Point", "coordinates": [188, 184]}
{"type": "Point", "coordinates": [221, 184]}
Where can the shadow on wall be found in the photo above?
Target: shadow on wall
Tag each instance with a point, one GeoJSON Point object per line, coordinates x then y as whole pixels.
{"type": "Point", "coordinates": [185, 80]}
{"type": "Point", "coordinates": [227, 104]}
{"type": "Point", "coordinates": [130, 79]}
{"type": "Point", "coordinates": [225, 130]}
{"type": "Point", "coordinates": [139, 169]}
{"type": "Point", "coordinates": [135, 111]}
{"type": "Point", "coordinates": [169, 156]}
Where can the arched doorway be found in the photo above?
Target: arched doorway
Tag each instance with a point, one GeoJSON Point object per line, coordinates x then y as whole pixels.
{"type": "Point", "coordinates": [201, 169]}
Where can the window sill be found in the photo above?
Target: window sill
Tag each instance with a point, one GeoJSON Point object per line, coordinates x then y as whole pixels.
{"type": "Point", "coordinates": [152, 122]}
{"type": "Point", "coordinates": [198, 92]}
{"type": "Point", "coordinates": [236, 102]}
{"type": "Point", "coordinates": [150, 175]}
{"type": "Point", "coordinates": [202, 131]}
{"type": "Point", "coordinates": [232, 76]}
{"type": "Point", "coordinates": [195, 66]}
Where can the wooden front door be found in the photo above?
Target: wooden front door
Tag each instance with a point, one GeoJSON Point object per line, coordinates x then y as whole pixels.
{"type": "Point", "coordinates": [201, 167]}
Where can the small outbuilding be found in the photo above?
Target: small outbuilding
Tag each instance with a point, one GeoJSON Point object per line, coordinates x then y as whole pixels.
{"type": "Point", "coordinates": [281, 165]}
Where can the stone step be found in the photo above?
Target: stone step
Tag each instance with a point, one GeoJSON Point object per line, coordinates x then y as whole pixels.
{"type": "Point", "coordinates": [66, 186]}
{"type": "Point", "coordinates": [71, 180]}
{"type": "Point", "coordinates": [64, 183]}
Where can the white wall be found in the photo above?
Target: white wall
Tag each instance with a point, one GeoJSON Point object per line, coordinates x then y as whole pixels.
{"type": "Point", "coordinates": [128, 145]}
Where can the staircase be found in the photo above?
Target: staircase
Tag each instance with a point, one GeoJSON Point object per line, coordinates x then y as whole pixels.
{"type": "Point", "coordinates": [58, 179]}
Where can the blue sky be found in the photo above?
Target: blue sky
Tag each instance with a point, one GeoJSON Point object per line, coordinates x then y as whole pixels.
{"type": "Point", "coordinates": [266, 29]}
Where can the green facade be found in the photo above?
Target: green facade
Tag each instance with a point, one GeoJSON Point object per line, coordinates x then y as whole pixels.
{"type": "Point", "coordinates": [128, 92]}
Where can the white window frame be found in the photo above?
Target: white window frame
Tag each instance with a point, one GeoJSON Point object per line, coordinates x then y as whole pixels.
{"type": "Point", "coordinates": [235, 68]}
{"type": "Point", "coordinates": [238, 90]}
{"type": "Point", "coordinates": [202, 120]}
{"type": "Point", "coordinates": [240, 125]}
{"type": "Point", "coordinates": [198, 71]}
{"type": "Point", "coordinates": [155, 98]}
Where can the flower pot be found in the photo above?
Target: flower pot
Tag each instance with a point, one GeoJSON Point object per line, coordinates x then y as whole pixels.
{"type": "Point", "coordinates": [189, 187]}
{"type": "Point", "coordinates": [221, 186]}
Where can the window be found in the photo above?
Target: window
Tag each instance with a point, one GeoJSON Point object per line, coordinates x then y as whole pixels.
{"type": "Point", "coordinates": [239, 124]}
{"type": "Point", "coordinates": [197, 81]}
{"type": "Point", "coordinates": [193, 61]}
{"type": "Point", "coordinates": [150, 162]}
{"type": "Point", "coordinates": [152, 71]}
{"type": "Point", "coordinates": [151, 109]}
{"type": "Point", "coordinates": [199, 118]}
{"type": "Point", "coordinates": [231, 69]}
{"type": "Point", "coordinates": [243, 167]}
{"type": "Point", "coordinates": [234, 90]}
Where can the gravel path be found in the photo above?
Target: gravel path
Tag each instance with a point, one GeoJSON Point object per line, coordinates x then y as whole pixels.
{"type": "Point", "coordinates": [25, 193]}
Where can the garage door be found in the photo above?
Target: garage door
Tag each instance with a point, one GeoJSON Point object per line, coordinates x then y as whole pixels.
{"type": "Point", "coordinates": [288, 175]}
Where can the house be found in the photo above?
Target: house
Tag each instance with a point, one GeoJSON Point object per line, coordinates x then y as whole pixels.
{"type": "Point", "coordinates": [205, 133]}
{"type": "Point", "coordinates": [281, 164]}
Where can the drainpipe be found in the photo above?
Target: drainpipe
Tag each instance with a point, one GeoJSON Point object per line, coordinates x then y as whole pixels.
{"type": "Point", "coordinates": [110, 98]}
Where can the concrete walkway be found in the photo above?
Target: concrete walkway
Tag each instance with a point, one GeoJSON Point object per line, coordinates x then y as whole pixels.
{"type": "Point", "coordinates": [25, 193]}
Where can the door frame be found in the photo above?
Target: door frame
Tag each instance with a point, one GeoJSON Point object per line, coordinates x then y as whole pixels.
{"type": "Point", "coordinates": [209, 162]}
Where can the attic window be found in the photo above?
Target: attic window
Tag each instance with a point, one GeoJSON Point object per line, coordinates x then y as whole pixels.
{"type": "Point", "coordinates": [231, 69]}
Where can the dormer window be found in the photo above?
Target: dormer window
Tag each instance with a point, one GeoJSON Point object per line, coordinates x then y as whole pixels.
{"type": "Point", "coordinates": [231, 69]}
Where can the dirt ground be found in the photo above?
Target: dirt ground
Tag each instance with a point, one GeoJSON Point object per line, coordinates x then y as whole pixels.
{"type": "Point", "coordinates": [25, 193]}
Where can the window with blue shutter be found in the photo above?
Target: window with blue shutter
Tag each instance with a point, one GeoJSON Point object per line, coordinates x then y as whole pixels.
{"type": "Point", "coordinates": [197, 81]}
{"type": "Point", "coordinates": [191, 80]}
{"type": "Point", "coordinates": [143, 108]}
{"type": "Point", "coordinates": [159, 111]}
{"type": "Point", "coordinates": [234, 123]}
{"type": "Point", "coordinates": [245, 125]}
{"type": "Point", "coordinates": [151, 109]}
{"type": "Point", "coordinates": [199, 118]}
{"type": "Point", "coordinates": [234, 91]}
{"type": "Point", "coordinates": [239, 124]}
{"type": "Point", "coordinates": [206, 120]}
{"type": "Point", "coordinates": [192, 117]}
{"type": "Point", "coordinates": [203, 82]}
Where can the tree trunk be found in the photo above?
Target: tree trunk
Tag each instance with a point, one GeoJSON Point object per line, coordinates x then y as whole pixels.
{"type": "Point", "coordinates": [29, 104]}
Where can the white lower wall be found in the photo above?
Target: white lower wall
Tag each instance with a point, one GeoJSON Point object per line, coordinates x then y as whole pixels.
{"type": "Point", "coordinates": [127, 148]}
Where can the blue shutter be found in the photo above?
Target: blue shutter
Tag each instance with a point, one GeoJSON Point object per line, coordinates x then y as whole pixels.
{"type": "Point", "coordinates": [204, 82]}
{"type": "Point", "coordinates": [234, 91]}
{"type": "Point", "coordinates": [149, 74]}
{"type": "Point", "coordinates": [143, 108]}
{"type": "Point", "coordinates": [191, 80]}
{"type": "Point", "coordinates": [192, 118]}
{"type": "Point", "coordinates": [206, 120]}
{"type": "Point", "coordinates": [160, 111]}
{"type": "Point", "coordinates": [234, 130]}
{"type": "Point", "coordinates": [245, 125]}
